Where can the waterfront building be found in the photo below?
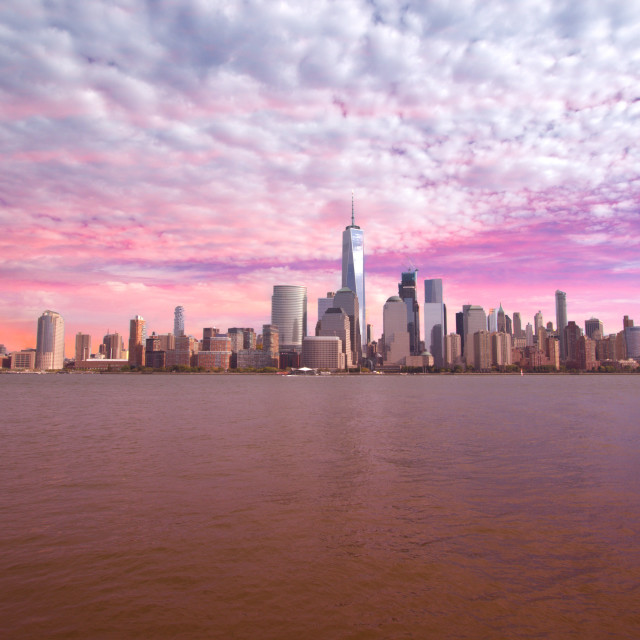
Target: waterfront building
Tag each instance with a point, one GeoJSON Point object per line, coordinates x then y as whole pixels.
{"type": "Point", "coordinates": [271, 340]}
{"type": "Point", "coordinates": [218, 356]}
{"type": "Point", "coordinates": [481, 350]}
{"type": "Point", "coordinates": [137, 338]}
{"type": "Point", "coordinates": [335, 322]}
{"type": "Point", "coordinates": [408, 293]}
{"type": "Point", "coordinates": [83, 346]}
{"type": "Point", "coordinates": [474, 319]}
{"type": "Point", "coordinates": [166, 341]}
{"type": "Point", "coordinates": [586, 352]}
{"type": "Point", "coordinates": [591, 326]}
{"type": "Point", "coordinates": [572, 333]}
{"type": "Point", "coordinates": [25, 359]}
{"type": "Point", "coordinates": [453, 350]}
{"type": "Point", "coordinates": [323, 352]}
{"type": "Point", "coordinates": [102, 364]}
{"type": "Point", "coordinates": [178, 321]}
{"type": "Point", "coordinates": [112, 346]}
{"type": "Point", "coordinates": [183, 354]}
{"type": "Point", "coordinates": [395, 334]}
{"type": "Point", "coordinates": [553, 352]}
{"type": "Point", "coordinates": [435, 320]}
{"type": "Point", "coordinates": [154, 356]}
{"type": "Point", "coordinates": [632, 340]}
{"type": "Point", "coordinates": [500, 349]}
{"type": "Point", "coordinates": [353, 263]}
{"type": "Point", "coordinates": [207, 334]}
{"type": "Point", "coordinates": [347, 300]}
{"type": "Point", "coordinates": [561, 322]}
{"type": "Point", "coordinates": [289, 315]}
{"type": "Point", "coordinates": [50, 341]}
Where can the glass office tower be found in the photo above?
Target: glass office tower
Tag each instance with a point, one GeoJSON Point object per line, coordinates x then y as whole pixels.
{"type": "Point", "coordinates": [50, 341]}
{"type": "Point", "coordinates": [435, 320]}
{"type": "Point", "coordinates": [289, 315]}
{"type": "Point", "coordinates": [561, 322]}
{"type": "Point", "coordinates": [353, 265]}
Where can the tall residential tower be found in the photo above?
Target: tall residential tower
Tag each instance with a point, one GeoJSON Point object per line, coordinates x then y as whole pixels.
{"type": "Point", "coordinates": [50, 341]}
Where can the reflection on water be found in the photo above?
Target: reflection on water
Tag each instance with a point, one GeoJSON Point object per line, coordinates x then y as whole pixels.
{"type": "Point", "coordinates": [374, 507]}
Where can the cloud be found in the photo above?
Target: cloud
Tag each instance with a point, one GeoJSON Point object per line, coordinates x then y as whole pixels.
{"type": "Point", "coordinates": [157, 144]}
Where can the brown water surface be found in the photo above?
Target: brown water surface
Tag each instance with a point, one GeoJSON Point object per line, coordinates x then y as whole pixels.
{"type": "Point", "coordinates": [375, 507]}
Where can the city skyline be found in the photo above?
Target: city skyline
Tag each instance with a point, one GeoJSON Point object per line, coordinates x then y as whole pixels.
{"type": "Point", "coordinates": [154, 158]}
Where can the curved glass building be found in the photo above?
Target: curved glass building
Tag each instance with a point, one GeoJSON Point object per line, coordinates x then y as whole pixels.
{"type": "Point", "coordinates": [50, 341]}
{"type": "Point", "coordinates": [289, 314]}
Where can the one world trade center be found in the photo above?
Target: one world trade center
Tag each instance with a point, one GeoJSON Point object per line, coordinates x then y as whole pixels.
{"type": "Point", "coordinates": [353, 267]}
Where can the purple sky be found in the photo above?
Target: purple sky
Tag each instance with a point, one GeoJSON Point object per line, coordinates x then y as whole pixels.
{"type": "Point", "coordinates": [197, 153]}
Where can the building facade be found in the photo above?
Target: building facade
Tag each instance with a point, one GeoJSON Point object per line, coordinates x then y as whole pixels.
{"type": "Point", "coordinates": [50, 341]}
{"type": "Point", "coordinates": [561, 322]}
{"type": "Point", "coordinates": [435, 320]}
{"type": "Point", "coordinates": [83, 346]}
{"type": "Point", "coordinates": [353, 264]}
{"type": "Point", "coordinates": [289, 315]}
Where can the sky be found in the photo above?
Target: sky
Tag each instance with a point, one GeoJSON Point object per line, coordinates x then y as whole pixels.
{"type": "Point", "coordinates": [197, 153]}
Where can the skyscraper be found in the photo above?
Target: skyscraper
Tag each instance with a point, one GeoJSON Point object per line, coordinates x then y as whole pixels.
{"type": "Point", "coordinates": [112, 346]}
{"type": "Point", "coordinates": [83, 346]}
{"type": "Point", "coordinates": [178, 321]}
{"type": "Point", "coordinates": [347, 300]}
{"type": "Point", "coordinates": [474, 320]}
{"type": "Point", "coordinates": [289, 315]}
{"type": "Point", "coordinates": [50, 341]}
{"type": "Point", "coordinates": [137, 340]}
{"type": "Point", "coordinates": [353, 264]}
{"type": "Point", "coordinates": [517, 325]}
{"type": "Point", "coordinates": [591, 326]}
{"type": "Point", "coordinates": [561, 321]}
{"type": "Point", "coordinates": [396, 336]}
{"type": "Point", "coordinates": [538, 322]}
{"type": "Point", "coordinates": [435, 320]}
{"type": "Point", "coordinates": [407, 291]}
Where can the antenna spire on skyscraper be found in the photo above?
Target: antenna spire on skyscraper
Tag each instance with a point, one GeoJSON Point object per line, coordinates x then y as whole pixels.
{"type": "Point", "coordinates": [353, 219]}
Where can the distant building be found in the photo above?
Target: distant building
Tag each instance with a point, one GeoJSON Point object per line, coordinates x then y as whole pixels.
{"type": "Point", "coordinates": [538, 322]}
{"type": "Point", "coordinates": [474, 319]}
{"type": "Point", "coordinates": [561, 322]}
{"type": "Point", "coordinates": [113, 346]}
{"type": "Point", "coordinates": [50, 341]}
{"type": "Point", "coordinates": [137, 337]}
{"type": "Point", "coordinates": [353, 264]}
{"type": "Point", "coordinates": [83, 346]}
{"type": "Point", "coordinates": [500, 349]}
{"type": "Point", "coordinates": [453, 350]}
{"type": "Point", "coordinates": [632, 339]}
{"type": "Point", "coordinates": [482, 350]}
{"type": "Point", "coordinates": [517, 325]}
{"type": "Point", "coordinates": [178, 321]}
{"type": "Point", "coordinates": [435, 320]}
{"type": "Point", "coordinates": [347, 300]}
{"type": "Point", "coordinates": [408, 293]}
{"type": "Point", "coordinates": [323, 352]}
{"type": "Point", "coordinates": [572, 334]}
{"type": "Point", "coordinates": [586, 349]}
{"type": "Point", "coordinates": [325, 303]}
{"type": "Point", "coordinates": [335, 322]}
{"type": "Point", "coordinates": [25, 359]}
{"type": "Point", "coordinates": [396, 336]}
{"type": "Point", "coordinates": [627, 322]}
{"type": "Point", "coordinates": [289, 314]}
{"type": "Point", "coordinates": [591, 326]}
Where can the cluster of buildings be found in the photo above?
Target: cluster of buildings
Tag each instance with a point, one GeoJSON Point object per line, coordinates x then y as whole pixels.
{"type": "Point", "coordinates": [482, 340]}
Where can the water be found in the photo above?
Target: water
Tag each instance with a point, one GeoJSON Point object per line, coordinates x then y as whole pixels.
{"type": "Point", "coordinates": [374, 507]}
